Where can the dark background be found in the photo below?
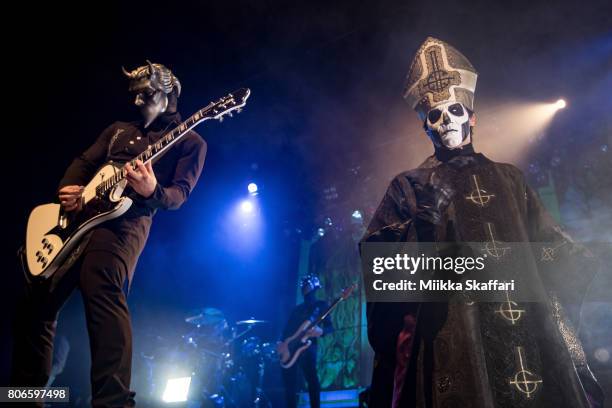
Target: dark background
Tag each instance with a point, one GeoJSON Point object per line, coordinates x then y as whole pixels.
{"type": "Point", "coordinates": [325, 112]}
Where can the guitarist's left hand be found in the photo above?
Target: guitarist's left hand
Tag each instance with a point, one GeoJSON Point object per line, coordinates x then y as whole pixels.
{"type": "Point", "coordinates": [315, 332]}
{"type": "Point", "coordinates": [142, 179]}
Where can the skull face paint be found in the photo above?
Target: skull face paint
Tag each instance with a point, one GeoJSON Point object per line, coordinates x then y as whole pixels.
{"type": "Point", "coordinates": [448, 125]}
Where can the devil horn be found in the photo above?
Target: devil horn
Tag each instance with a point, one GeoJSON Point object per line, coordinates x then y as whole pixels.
{"type": "Point", "coordinates": [126, 72]}
{"type": "Point", "coordinates": [151, 67]}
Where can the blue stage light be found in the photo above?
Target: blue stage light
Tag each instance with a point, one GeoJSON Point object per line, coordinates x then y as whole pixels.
{"type": "Point", "coordinates": [252, 187]}
{"type": "Point", "coordinates": [246, 207]}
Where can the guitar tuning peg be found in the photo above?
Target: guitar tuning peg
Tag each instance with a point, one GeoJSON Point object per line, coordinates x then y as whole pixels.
{"type": "Point", "coordinates": [238, 110]}
{"type": "Point", "coordinates": [221, 118]}
{"type": "Point", "coordinates": [230, 114]}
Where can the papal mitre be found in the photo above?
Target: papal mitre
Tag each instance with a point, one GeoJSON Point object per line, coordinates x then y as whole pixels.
{"type": "Point", "coordinates": [439, 74]}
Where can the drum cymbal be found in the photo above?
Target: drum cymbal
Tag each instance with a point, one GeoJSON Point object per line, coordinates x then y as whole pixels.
{"type": "Point", "coordinates": [209, 316]}
{"type": "Point", "coordinates": [250, 322]}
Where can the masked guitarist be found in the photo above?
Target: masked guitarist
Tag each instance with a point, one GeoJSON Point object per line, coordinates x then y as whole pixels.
{"type": "Point", "coordinates": [311, 309]}
{"type": "Point", "coordinates": [102, 265]}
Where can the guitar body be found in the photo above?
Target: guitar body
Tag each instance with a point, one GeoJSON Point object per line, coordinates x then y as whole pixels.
{"type": "Point", "coordinates": [296, 345]}
{"type": "Point", "coordinates": [52, 233]}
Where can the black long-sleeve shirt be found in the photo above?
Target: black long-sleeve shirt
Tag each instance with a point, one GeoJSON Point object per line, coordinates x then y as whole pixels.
{"type": "Point", "coordinates": [177, 173]}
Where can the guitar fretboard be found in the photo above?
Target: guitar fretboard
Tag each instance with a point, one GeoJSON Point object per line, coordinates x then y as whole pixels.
{"type": "Point", "coordinates": [346, 293]}
{"type": "Point", "coordinates": [155, 151]}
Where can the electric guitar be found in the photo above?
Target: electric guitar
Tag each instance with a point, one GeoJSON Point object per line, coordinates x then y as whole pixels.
{"type": "Point", "coordinates": [52, 233]}
{"type": "Point", "coordinates": [292, 347]}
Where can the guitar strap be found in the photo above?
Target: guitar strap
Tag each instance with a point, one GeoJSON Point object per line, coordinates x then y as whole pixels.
{"type": "Point", "coordinates": [112, 141]}
{"type": "Point", "coordinates": [118, 132]}
{"type": "Point", "coordinates": [315, 314]}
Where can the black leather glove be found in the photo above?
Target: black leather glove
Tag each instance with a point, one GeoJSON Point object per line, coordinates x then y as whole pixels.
{"type": "Point", "coordinates": [433, 198]}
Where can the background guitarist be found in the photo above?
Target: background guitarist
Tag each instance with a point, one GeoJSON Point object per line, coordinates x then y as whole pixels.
{"type": "Point", "coordinates": [102, 265]}
{"type": "Point", "coordinates": [310, 309]}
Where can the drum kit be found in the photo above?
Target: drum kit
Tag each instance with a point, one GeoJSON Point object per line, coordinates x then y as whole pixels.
{"type": "Point", "coordinates": [223, 365]}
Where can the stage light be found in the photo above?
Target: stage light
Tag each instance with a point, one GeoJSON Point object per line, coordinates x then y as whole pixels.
{"type": "Point", "coordinates": [357, 215]}
{"type": "Point", "coordinates": [560, 104]}
{"type": "Point", "coordinates": [243, 226]}
{"type": "Point", "coordinates": [246, 207]}
{"type": "Point", "coordinates": [514, 128]}
{"type": "Point", "coordinates": [321, 232]}
{"type": "Point", "coordinates": [252, 187]}
{"type": "Point", "coordinates": [176, 389]}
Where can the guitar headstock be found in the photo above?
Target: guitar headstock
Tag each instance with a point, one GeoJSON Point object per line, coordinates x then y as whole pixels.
{"type": "Point", "coordinates": [346, 292]}
{"type": "Point", "coordinates": [234, 101]}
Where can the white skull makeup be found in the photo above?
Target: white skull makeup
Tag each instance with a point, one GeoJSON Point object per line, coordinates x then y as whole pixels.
{"type": "Point", "coordinates": [152, 83]}
{"type": "Point", "coordinates": [448, 125]}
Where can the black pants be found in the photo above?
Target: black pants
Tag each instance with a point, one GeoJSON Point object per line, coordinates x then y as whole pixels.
{"type": "Point", "coordinates": [100, 276]}
{"type": "Point", "coordinates": [308, 364]}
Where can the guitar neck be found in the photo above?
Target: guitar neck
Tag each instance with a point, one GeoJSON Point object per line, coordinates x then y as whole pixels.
{"type": "Point", "coordinates": [214, 110]}
{"type": "Point", "coordinates": [327, 312]}
{"type": "Point", "coordinates": [157, 149]}
{"type": "Point", "coordinates": [345, 294]}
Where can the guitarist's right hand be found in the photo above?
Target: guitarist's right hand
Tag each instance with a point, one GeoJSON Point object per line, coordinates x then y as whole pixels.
{"type": "Point", "coordinates": [70, 197]}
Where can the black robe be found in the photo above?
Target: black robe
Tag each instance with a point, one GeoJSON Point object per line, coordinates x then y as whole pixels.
{"type": "Point", "coordinates": [468, 355]}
